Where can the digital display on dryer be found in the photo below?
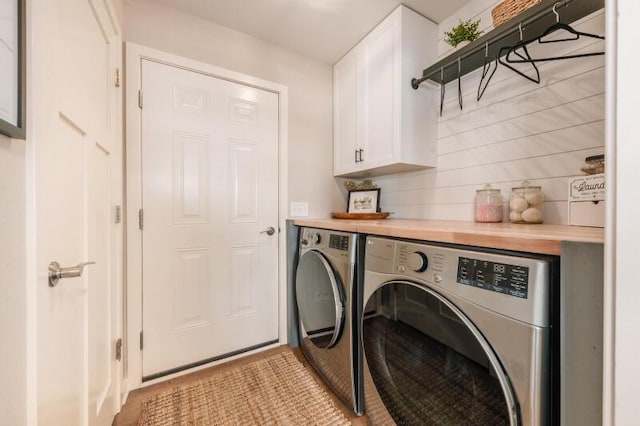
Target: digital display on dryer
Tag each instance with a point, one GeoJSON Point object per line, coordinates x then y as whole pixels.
{"type": "Point", "coordinates": [499, 277]}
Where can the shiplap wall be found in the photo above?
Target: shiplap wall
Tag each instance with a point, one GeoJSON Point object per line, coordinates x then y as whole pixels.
{"type": "Point", "coordinates": [518, 130]}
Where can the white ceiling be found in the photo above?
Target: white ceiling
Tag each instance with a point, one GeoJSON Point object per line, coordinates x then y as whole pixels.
{"type": "Point", "coordinates": [321, 29]}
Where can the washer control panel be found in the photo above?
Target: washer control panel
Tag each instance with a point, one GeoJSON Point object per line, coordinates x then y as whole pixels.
{"type": "Point", "coordinates": [499, 277]}
{"type": "Point", "coordinates": [506, 283]}
{"type": "Point", "coordinates": [411, 258]}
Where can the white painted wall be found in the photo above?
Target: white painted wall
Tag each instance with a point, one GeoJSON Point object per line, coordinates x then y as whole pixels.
{"type": "Point", "coordinates": [309, 83]}
{"type": "Point", "coordinates": [518, 130]}
{"type": "Point", "coordinates": [13, 349]}
{"type": "Point", "coordinates": [13, 268]}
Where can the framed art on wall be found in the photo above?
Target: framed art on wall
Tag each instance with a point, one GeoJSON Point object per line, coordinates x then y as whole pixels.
{"type": "Point", "coordinates": [13, 68]}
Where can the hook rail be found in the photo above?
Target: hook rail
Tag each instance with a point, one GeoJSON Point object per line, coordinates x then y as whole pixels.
{"type": "Point", "coordinates": [533, 22]}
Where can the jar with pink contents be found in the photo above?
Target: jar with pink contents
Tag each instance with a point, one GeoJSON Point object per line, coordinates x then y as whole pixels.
{"type": "Point", "coordinates": [488, 205]}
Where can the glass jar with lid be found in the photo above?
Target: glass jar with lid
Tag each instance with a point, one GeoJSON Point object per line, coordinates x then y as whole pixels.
{"type": "Point", "coordinates": [488, 205]}
{"type": "Point", "coordinates": [594, 165]}
{"type": "Point", "coordinates": [526, 204]}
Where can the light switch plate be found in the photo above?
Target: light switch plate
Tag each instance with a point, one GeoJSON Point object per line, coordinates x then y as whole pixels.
{"type": "Point", "coordinates": [299, 209]}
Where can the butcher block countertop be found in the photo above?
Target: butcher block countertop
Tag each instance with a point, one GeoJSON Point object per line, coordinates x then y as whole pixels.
{"type": "Point", "coordinates": [544, 239]}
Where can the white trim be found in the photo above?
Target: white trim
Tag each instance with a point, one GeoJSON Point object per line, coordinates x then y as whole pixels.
{"type": "Point", "coordinates": [33, 88]}
{"type": "Point", "coordinates": [134, 54]}
{"type": "Point", "coordinates": [609, 305]}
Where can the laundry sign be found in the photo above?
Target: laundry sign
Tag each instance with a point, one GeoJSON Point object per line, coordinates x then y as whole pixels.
{"type": "Point", "coordinates": [586, 200]}
{"type": "Point", "coordinates": [587, 188]}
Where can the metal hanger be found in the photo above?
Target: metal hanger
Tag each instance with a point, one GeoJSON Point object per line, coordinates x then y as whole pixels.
{"type": "Point", "coordinates": [558, 26]}
{"type": "Point", "coordinates": [459, 86]}
{"type": "Point", "coordinates": [487, 70]}
{"type": "Point", "coordinates": [441, 89]}
{"type": "Point", "coordinates": [526, 58]}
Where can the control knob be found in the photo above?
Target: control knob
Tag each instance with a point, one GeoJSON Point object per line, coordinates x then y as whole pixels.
{"type": "Point", "coordinates": [316, 238]}
{"type": "Point", "coordinates": [418, 261]}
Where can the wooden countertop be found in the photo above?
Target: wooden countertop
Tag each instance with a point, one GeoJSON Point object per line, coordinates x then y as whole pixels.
{"type": "Point", "coordinates": [545, 239]}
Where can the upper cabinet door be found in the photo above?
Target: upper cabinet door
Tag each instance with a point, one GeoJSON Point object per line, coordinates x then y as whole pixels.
{"type": "Point", "coordinates": [379, 98]}
{"type": "Point", "coordinates": [382, 125]}
{"type": "Point", "coordinates": [346, 115]}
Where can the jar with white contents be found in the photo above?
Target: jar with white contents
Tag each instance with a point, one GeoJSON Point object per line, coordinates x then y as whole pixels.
{"type": "Point", "coordinates": [526, 204]}
{"type": "Point", "coordinates": [488, 205]}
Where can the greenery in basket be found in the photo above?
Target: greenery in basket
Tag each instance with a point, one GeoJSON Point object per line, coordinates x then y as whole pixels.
{"type": "Point", "coordinates": [463, 31]}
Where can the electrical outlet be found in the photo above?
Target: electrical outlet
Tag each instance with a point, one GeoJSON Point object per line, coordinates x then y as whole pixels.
{"type": "Point", "coordinates": [299, 209]}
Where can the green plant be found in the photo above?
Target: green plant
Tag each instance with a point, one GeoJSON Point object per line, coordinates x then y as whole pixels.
{"type": "Point", "coordinates": [464, 31]}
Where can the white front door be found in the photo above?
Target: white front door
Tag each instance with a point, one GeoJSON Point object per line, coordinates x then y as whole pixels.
{"type": "Point", "coordinates": [209, 191]}
{"type": "Point", "coordinates": [76, 160]}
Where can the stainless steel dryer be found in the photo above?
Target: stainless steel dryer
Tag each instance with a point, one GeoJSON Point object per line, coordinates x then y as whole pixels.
{"type": "Point", "coordinates": [458, 336]}
{"type": "Point", "coordinates": [324, 286]}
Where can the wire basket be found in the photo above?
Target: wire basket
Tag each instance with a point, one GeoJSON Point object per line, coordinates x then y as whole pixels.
{"type": "Point", "coordinates": [509, 9]}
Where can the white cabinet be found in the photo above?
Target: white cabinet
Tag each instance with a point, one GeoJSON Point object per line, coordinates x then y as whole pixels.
{"type": "Point", "coordinates": [345, 119]}
{"type": "Point", "coordinates": [381, 125]}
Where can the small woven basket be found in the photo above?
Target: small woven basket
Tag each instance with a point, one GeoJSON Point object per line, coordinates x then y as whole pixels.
{"type": "Point", "coordinates": [509, 9]}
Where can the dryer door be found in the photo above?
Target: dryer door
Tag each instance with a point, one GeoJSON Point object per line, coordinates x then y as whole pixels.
{"type": "Point", "coordinates": [427, 363]}
{"type": "Point", "coordinates": [320, 299]}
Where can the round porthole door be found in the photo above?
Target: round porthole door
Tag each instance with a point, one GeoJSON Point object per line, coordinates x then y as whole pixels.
{"type": "Point", "coordinates": [320, 299]}
{"type": "Point", "coordinates": [427, 363]}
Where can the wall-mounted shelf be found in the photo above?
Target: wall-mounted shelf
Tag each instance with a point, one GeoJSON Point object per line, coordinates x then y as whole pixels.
{"type": "Point", "coordinates": [534, 21]}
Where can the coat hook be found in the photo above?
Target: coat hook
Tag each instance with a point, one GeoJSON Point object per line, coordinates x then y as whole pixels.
{"type": "Point", "coordinates": [555, 12]}
{"type": "Point", "coordinates": [459, 86]}
{"type": "Point", "coordinates": [520, 29]}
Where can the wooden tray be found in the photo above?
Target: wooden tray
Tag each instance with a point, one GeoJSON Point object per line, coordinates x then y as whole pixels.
{"type": "Point", "coordinates": [359, 216]}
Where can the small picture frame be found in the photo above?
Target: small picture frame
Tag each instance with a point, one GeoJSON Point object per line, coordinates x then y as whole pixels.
{"type": "Point", "coordinates": [364, 201]}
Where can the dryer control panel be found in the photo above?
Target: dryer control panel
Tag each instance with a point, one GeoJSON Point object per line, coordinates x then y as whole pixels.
{"type": "Point", "coordinates": [332, 243]}
{"type": "Point", "coordinates": [339, 242]}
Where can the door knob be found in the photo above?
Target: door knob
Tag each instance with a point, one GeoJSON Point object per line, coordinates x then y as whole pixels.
{"type": "Point", "coordinates": [269, 231]}
{"type": "Point", "coordinates": [56, 272]}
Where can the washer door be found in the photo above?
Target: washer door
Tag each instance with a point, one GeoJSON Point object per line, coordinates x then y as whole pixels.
{"type": "Point", "coordinates": [428, 364]}
{"type": "Point", "coordinates": [320, 298]}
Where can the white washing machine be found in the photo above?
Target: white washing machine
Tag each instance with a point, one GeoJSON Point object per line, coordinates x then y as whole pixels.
{"type": "Point", "coordinates": [324, 284]}
{"type": "Point", "coordinates": [458, 336]}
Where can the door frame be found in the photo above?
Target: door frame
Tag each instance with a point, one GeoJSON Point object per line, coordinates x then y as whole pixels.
{"type": "Point", "coordinates": [134, 54]}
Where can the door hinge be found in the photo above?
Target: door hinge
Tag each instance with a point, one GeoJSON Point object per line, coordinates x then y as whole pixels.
{"type": "Point", "coordinates": [141, 341]}
{"type": "Point", "coordinates": [141, 219]}
{"type": "Point", "coordinates": [117, 77]}
{"type": "Point", "coordinates": [140, 96]}
{"type": "Point", "coordinates": [118, 217]}
{"type": "Point", "coordinates": [119, 349]}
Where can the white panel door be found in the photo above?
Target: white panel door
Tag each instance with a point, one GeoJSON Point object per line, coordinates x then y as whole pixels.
{"type": "Point", "coordinates": [210, 189]}
{"type": "Point", "coordinates": [76, 160]}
